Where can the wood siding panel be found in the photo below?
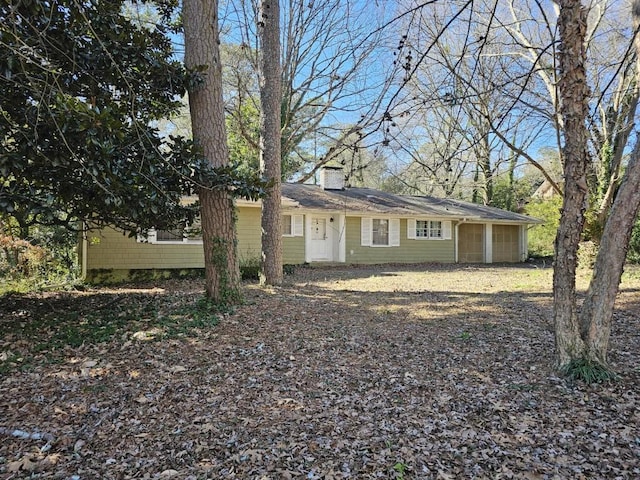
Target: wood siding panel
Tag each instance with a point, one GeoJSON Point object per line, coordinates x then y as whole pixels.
{"type": "Point", "coordinates": [471, 243]}
{"type": "Point", "coordinates": [506, 243]}
{"type": "Point", "coordinates": [409, 251]}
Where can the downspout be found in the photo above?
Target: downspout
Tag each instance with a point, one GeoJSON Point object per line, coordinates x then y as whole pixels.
{"type": "Point", "coordinates": [84, 252]}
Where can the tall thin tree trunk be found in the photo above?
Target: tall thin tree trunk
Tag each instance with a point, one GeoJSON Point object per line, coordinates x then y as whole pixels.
{"type": "Point", "coordinates": [572, 25]}
{"type": "Point", "coordinates": [597, 310]}
{"type": "Point", "coordinates": [619, 144]}
{"type": "Point", "coordinates": [270, 139]}
{"type": "Point", "coordinates": [222, 275]}
{"type": "Point", "coordinates": [475, 197]}
{"type": "Point", "coordinates": [512, 201]}
{"type": "Point", "coordinates": [485, 167]}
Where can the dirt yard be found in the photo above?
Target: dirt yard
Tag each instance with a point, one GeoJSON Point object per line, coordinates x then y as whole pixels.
{"type": "Point", "coordinates": [403, 372]}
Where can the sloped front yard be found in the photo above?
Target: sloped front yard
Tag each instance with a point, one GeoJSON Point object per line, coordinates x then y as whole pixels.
{"type": "Point", "coordinates": [391, 372]}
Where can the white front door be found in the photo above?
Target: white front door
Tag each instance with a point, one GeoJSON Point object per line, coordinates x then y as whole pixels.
{"type": "Point", "coordinates": [320, 241]}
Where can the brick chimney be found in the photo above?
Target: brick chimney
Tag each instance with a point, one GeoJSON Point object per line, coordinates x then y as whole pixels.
{"type": "Point", "coordinates": [332, 178]}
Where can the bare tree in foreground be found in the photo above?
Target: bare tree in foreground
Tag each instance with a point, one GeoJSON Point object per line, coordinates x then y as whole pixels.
{"type": "Point", "coordinates": [574, 94]}
{"type": "Point", "coordinates": [582, 335]}
{"type": "Point", "coordinates": [328, 70]}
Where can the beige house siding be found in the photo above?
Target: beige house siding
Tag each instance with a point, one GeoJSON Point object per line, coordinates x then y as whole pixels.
{"type": "Point", "coordinates": [409, 251]}
{"type": "Point", "coordinates": [293, 250]}
{"type": "Point", "coordinates": [506, 243]}
{"type": "Point", "coordinates": [249, 238]}
{"type": "Point", "coordinates": [249, 233]}
{"type": "Point", "coordinates": [110, 249]}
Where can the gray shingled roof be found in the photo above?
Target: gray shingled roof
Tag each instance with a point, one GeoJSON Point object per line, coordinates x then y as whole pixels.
{"type": "Point", "coordinates": [370, 201]}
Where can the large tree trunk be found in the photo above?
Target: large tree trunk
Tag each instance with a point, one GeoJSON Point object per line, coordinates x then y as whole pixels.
{"type": "Point", "coordinates": [200, 18]}
{"type": "Point", "coordinates": [597, 310]}
{"type": "Point", "coordinates": [572, 25]}
{"type": "Point", "coordinates": [270, 139]}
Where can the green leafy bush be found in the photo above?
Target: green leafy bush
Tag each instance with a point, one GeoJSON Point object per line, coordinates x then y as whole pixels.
{"type": "Point", "coordinates": [542, 237]}
{"type": "Point", "coordinates": [250, 268]}
{"type": "Point", "coordinates": [46, 256]}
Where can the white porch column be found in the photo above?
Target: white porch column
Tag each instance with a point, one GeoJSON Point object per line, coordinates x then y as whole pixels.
{"type": "Point", "coordinates": [456, 229]}
{"type": "Point", "coordinates": [342, 241]}
{"type": "Point", "coordinates": [488, 243]}
{"type": "Point", "coordinates": [307, 238]}
{"type": "Point", "coordinates": [524, 243]}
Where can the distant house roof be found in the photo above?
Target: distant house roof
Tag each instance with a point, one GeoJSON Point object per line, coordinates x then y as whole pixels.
{"type": "Point", "coordinates": [370, 201]}
{"type": "Point", "coordinates": [546, 190]}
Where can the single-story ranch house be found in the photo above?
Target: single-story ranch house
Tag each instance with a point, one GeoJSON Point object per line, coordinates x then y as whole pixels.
{"type": "Point", "coordinates": [332, 224]}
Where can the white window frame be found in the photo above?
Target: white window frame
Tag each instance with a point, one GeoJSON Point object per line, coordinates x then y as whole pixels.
{"type": "Point", "coordinates": [422, 231]}
{"type": "Point", "coordinates": [366, 232]}
{"type": "Point", "coordinates": [380, 232]}
{"type": "Point", "coordinates": [436, 230]}
{"type": "Point", "coordinates": [297, 225]}
{"type": "Point", "coordinates": [431, 229]}
{"type": "Point", "coordinates": [152, 237]}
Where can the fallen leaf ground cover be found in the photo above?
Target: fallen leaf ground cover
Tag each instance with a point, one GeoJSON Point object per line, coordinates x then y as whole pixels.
{"type": "Point", "coordinates": [400, 372]}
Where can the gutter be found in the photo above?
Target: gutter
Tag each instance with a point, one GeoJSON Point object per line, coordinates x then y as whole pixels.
{"type": "Point", "coordinates": [285, 203]}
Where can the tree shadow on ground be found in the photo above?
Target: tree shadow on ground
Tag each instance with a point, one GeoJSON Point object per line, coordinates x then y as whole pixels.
{"type": "Point", "coordinates": [327, 376]}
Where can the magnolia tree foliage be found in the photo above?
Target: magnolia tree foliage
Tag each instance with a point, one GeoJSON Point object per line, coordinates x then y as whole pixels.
{"type": "Point", "coordinates": [82, 86]}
